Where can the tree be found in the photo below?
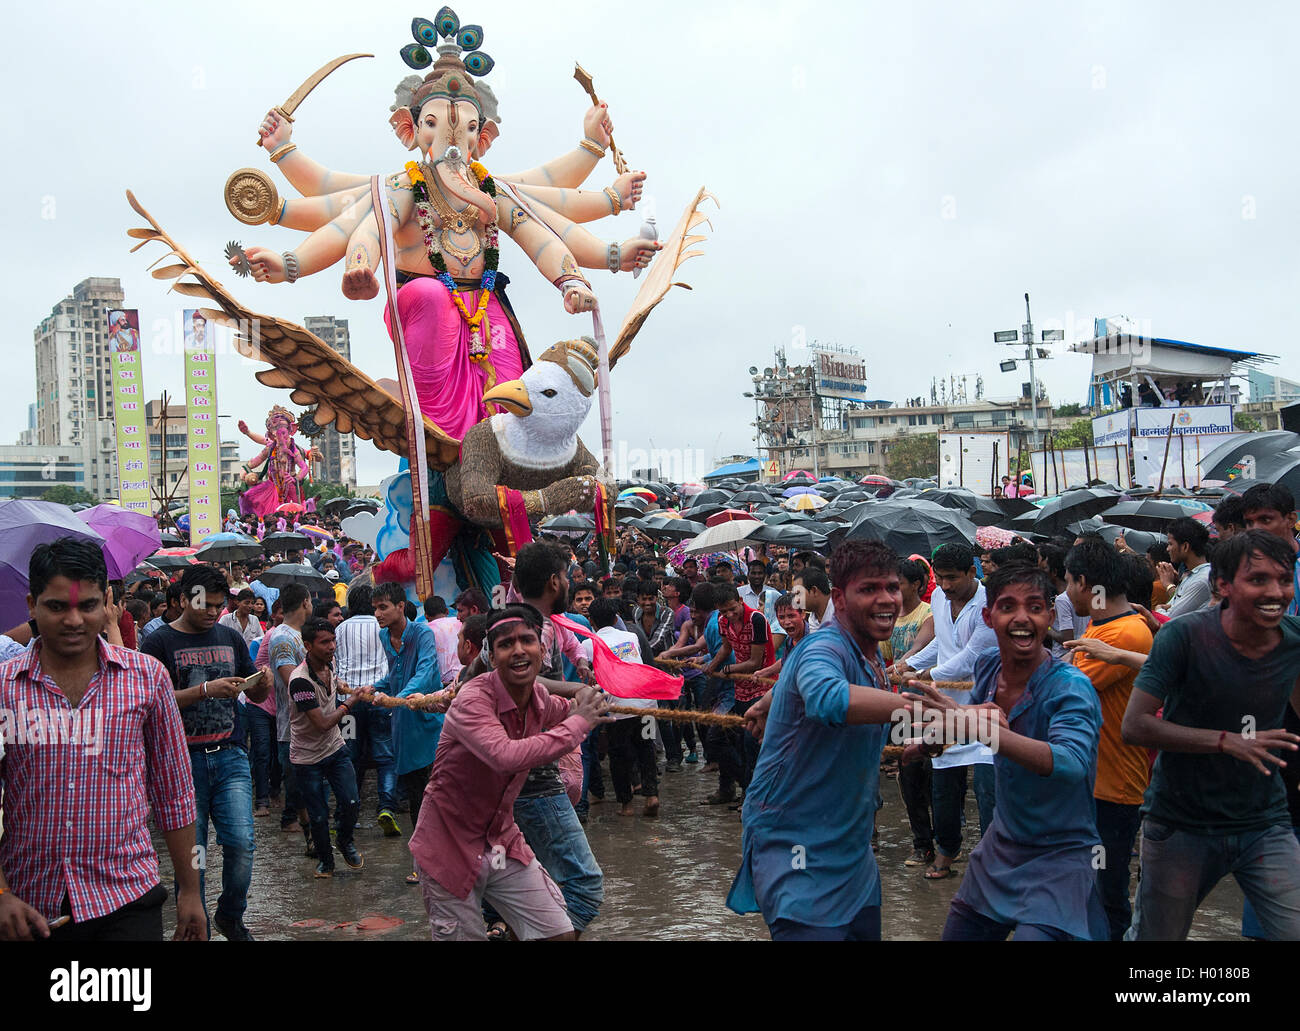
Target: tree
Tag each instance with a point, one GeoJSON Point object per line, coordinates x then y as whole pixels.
{"type": "Point", "coordinates": [912, 454]}
{"type": "Point", "coordinates": [1077, 434]}
{"type": "Point", "coordinates": [1070, 411]}
{"type": "Point", "coordinates": [63, 494]}
{"type": "Point", "coordinates": [1247, 423]}
{"type": "Point", "coordinates": [324, 491]}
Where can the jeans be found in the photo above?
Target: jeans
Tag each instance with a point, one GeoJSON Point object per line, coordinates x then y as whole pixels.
{"type": "Point", "coordinates": [266, 754]}
{"type": "Point", "coordinates": [1117, 826]}
{"type": "Point", "coordinates": [1250, 925]}
{"type": "Point", "coordinates": [593, 778]}
{"type": "Point", "coordinates": [914, 784]}
{"type": "Point", "coordinates": [336, 770]}
{"type": "Point", "coordinates": [674, 733]}
{"type": "Point", "coordinates": [707, 690]}
{"type": "Point", "coordinates": [374, 728]}
{"type": "Point", "coordinates": [966, 925]}
{"type": "Point", "coordinates": [223, 792]}
{"type": "Point", "coordinates": [1179, 869]}
{"type": "Point", "coordinates": [865, 927]}
{"type": "Point", "coordinates": [551, 828]}
{"type": "Point", "coordinates": [293, 805]}
{"type": "Point", "coordinates": [948, 798]}
{"type": "Point", "coordinates": [630, 749]}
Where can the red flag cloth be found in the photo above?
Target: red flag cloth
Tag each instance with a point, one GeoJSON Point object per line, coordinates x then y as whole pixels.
{"type": "Point", "coordinates": [623, 679]}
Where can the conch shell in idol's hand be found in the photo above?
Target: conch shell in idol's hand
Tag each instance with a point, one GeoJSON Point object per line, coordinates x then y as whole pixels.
{"type": "Point", "coordinates": [251, 196]}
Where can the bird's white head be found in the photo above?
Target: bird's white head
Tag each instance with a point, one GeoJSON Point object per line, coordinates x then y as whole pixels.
{"type": "Point", "coordinates": [547, 404]}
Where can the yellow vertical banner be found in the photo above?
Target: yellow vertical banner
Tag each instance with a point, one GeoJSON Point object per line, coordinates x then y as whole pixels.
{"type": "Point", "coordinates": [131, 438]}
{"type": "Point", "coordinates": [203, 438]}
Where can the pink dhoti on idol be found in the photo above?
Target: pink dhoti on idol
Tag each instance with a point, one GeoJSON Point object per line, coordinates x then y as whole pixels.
{"type": "Point", "coordinates": [448, 382]}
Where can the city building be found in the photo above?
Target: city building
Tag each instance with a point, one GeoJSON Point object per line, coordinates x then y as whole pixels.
{"type": "Point", "coordinates": [74, 404]}
{"type": "Point", "coordinates": [1266, 389]}
{"type": "Point", "coordinates": [28, 436]}
{"type": "Point", "coordinates": [339, 450]}
{"type": "Point", "coordinates": [29, 470]}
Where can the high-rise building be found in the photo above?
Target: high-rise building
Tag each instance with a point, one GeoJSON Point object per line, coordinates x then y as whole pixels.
{"type": "Point", "coordinates": [74, 402]}
{"type": "Point", "coordinates": [338, 449]}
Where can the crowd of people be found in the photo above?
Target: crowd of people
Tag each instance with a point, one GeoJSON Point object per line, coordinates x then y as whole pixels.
{"type": "Point", "coordinates": [1098, 703]}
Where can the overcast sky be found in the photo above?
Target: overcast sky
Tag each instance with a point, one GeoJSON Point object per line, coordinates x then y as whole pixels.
{"type": "Point", "coordinates": [892, 177]}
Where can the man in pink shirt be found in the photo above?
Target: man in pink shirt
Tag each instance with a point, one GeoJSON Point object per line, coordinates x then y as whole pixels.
{"type": "Point", "coordinates": [467, 846]}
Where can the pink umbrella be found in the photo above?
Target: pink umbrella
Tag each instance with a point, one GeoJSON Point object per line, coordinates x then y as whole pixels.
{"type": "Point", "coordinates": [291, 506]}
{"type": "Point", "coordinates": [128, 536]}
{"type": "Point", "coordinates": [798, 474]}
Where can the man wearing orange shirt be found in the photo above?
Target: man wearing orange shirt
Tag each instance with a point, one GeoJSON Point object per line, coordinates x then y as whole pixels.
{"type": "Point", "coordinates": [1096, 582]}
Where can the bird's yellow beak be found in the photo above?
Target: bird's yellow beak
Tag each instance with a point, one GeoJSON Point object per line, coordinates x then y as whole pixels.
{"type": "Point", "coordinates": [512, 396]}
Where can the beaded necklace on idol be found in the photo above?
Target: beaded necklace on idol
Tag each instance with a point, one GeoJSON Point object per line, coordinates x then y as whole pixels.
{"type": "Point", "coordinates": [479, 347]}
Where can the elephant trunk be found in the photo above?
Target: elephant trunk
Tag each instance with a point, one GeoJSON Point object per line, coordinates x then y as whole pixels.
{"type": "Point", "coordinates": [457, 184]}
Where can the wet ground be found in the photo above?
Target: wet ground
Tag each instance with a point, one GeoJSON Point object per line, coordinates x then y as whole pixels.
{"type": "Point", "coordinates": [664, 878]}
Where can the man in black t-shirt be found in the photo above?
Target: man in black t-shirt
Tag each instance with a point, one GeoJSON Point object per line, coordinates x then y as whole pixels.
{"type": "Point", "coordinates": [208, 663]}
{"type": "Point", "coordinates": [1217, 804]}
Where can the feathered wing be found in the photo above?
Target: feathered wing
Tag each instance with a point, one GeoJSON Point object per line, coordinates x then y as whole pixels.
{"type": "Point", "coordinates": [660, 278]}
{"type": "Point", "coordinates": [301, 362]}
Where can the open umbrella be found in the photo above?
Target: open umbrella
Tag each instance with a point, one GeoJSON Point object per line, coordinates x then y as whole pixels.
{"type": "Point", "coordinates": [285, 542]}
{"type": "Point", "coordinates": [1230, 461]}
{"type": "Point", "coordinates": [803, 488]}
{"type": "Point", "coordinates": [713, 496]}
{"type": "Point", "coordinates": [228, 547]}
{"type": "Point", "coordinates": [728, 515]}
{"type": "Point", "coordinates": [173, 558]}
{"type": "Point", "coordinates": [805, 503]}
{"type": "Point", "coordinates": [672, 529]}
{"type": "Point", "coordinates": [286, 573]}
{"type": "Point", "coordinates": [128, 536]}
{"type": "Point", "coordinates": [1144, 514]}
{"type": "Point", "coordinates": [912, 527]}
{"type": "Point", "coordinates": [790, 534]}
{"type": "Point", "coordinates": [167, 539]}
{"type": "Point", "coordinates": [316, 533]}
{"type": "Point", "coordinates": [980, 510]}
{"type": "Point", "coordinates": [290, 508]}
{"type": "Point", "coordinates": [795, 475]}
{"type": "Point", "coordinates": [1072, 506]}
{"type": "Point", "coordinates": [575, 524]}
{"type": "Point", "coordinates": [751, 496]}
{"type": "Point", "coordinates": [23, 525]}
{"type": "Point", "coordinates": [689, 490]}
{"type": "Point", "coordinates": [723, 536]}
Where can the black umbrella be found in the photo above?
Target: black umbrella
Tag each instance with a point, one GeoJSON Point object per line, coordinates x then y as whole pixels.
{"type": "Point", "coordinates": [229, 550]}
{"type": "Point", "coordinates": [789, 534]}
{"type": "Point", "coordinates": [1072, 506]}
{"type": "Point", "coordinates": [912, 528]}
{"type": "Point", "coordinates": [980, 510]}
{"type": "Point", "coordinates": [713, 496]}
{"type": "Point", "coordinates": [573, 521]}
{"type": "Point", "coordinates": [1137, 540]}
{"type": "Point", "coordinates": [673, 529]}
{"type": "Point", "coordinates": [170, 561]}
{"type": "Point", "coordinates": [1023, 522]}
{"type": "Point", "coordinates": [286, 573]}
{"type": "Point", "coordinates": [1145, 514]}
{"type": "Point", "coordinates": [1014, 506]}
{"type": "Point", "coordinates": [1225, 462]}
{"type": "Point", "coordinates": [334, 505]}
{"type": "Point", "coordinates": [171, 540]}
{"type": "Point", "coordinates": [785, 516]}
{"type": "Point", "coordinates": [751, 496]}
{"type": "Point", "coordinates": [285, 542]}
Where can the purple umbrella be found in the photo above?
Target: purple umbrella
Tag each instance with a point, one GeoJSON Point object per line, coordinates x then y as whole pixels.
{"type": "Point", "coordinates": [128, 536]}
{"type": "Point", "coordinates": [23, 525]}
{"type": "Point", "coordinates": [790, 492]}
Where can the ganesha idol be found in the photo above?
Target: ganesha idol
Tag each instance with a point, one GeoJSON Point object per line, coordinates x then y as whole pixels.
{"type": "Point", "coordinates": [444, 215]}
{"type": "Point", "coordinates": [275, 475]}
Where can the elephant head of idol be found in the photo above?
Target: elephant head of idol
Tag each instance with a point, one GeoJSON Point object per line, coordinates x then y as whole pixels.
{"type": "Point", "coordinates": [447, 116]}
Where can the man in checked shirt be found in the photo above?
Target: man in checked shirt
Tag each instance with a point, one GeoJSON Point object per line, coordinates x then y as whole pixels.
{"type": "Point", "coordinates": [92, 743]}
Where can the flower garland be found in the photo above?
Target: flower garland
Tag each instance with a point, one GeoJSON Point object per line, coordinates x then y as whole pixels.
{"type": "Point", "coordinates": [479, 346]}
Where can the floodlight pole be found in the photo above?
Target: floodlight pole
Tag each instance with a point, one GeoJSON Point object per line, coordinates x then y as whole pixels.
{"type": "Point", "coordinates": [1028, 335]}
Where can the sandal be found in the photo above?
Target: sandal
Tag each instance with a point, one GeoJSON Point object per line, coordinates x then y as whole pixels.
{"type": "Point", "coordinates": [412, 878]}
{"type": "Point", "coordinates": [498, 932]}
{"type": "Point", "coordinates": [938, 873]}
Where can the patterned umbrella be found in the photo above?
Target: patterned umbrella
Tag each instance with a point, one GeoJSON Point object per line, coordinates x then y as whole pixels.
{"type": "Point", "coordinates": [805, 503]}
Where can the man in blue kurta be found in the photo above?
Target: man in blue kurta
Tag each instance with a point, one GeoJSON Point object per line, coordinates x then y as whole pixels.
{"type": "Point", "coordinates": [811, 805]}
{"type": "Point", "coordinates": [1033, 871]}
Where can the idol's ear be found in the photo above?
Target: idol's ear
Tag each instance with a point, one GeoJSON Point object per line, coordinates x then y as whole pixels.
{"type": "Point", "coordinates": [486, 135]}
{"type": "Point", "coordinates": [404, 125]}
